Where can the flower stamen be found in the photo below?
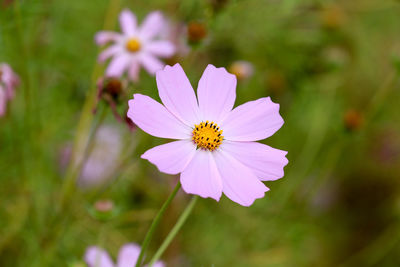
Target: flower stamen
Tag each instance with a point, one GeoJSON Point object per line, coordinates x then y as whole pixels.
{"type": "Point", "coordinates": [133, 45]}
{"type": "Point", "coordinates": [207, 135]}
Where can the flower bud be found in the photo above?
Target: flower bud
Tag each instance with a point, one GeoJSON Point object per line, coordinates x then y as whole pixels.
{"type": "Point", "coordinates": [103, 210]}
{"type": "Point", "coordinates": [196, 32]}
{"type": "Point", "coordinates": [332, 17]}
{"type": "Point", "coordinates": [242, 69]}
{"type": "Point", "coordinates": [113, 87]}
{"type": "Point", "coordinates": [353, 120]}
{"type": "Point", "coordinates": [103, 205]}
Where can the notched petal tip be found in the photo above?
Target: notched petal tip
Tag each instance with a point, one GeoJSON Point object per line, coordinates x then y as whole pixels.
{"type": "Point", "coordinates": [248, 204]}
{"type": "Point", "coordinates": [126, 10]}
{"type": "Point", "coordinates": [157, 13]}
{"type": "Point", "coordinates": [191, 192]}
{"type": "Point", "coordinates": [168, 67]}
{"type": "Point", "coordinates": [223, 70]}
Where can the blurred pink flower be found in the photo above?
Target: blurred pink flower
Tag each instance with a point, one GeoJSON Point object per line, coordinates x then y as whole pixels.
{"type": "Point", "coordinates": [127, 257]}
{"type": "Point", "coordinates": [135, 46]}
{"type": "Point", "coordinates": [211, 161]}
{"type": "Point", "coordinates": [103, 159]}
{"type": "Point", "coordinates": [8, 82]}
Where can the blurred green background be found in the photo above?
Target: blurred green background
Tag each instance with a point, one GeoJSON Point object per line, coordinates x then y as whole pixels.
{"type": "Point", "coordinates": [332, 65]}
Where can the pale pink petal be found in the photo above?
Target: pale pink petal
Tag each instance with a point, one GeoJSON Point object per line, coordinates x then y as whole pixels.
{"type": "Point", "coordinates": [128, 22]}
{"type": "Point", "coordinates": [109, 52]}
{"type": "Point", "coordinates": [104, 37]}
{"type": "Point", "coordinates": [97, 257]}
{"type": "Point", "coordinates": [133, 71]}
{"type": "Point", "coordinates": [117, 66]}
{"type": "Point", "coordinates": [252, 121]}
{"type": "Point", "coordinates": [266, 162]}
{"type": "Point", "coordinates": [128, 255]}
{"type": "Point", "coordinates": [3, 101]}
{"type": "Point", "coordinates": [177, 94]}
{"type": "Point", "coordinates": [10, 91]}
{"type": "Point", "coordinates": [201, 176]}
{"type": "Point", "coordinates": [155, 119]}
{"type": "Point", "coordinates": [239, 183]}
{"type": "Point", "coordinates": [152, 25]}
{"type": "Point", "coordinates": [216, 93]}
{"type": "Point", "coordinates": [10, 80]}
{"type": "Point", "coordinates": [150, 63]}
{"type": "Point", "coordinates": [160, 48]}
{"type": "Point", "coordinates": [171, 158]}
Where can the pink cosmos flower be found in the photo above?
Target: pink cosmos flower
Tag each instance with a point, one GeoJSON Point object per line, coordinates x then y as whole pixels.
{"type": "Point", "coordinates": [8, 82]}
{"type": "Point", "coordinates": [127, 257]}
{"type": "Point", "coordinates": [135, 46]}
{"type": "Point", "coordinates": [216, 151]}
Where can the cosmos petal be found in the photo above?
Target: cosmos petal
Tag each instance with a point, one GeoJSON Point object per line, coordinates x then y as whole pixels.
{"type": "Point", "coordinates": [151, 63]}
{"type": "Point", "coordinates": [117, 66]}
{"type": "Point", "coordinates": [128, 255]}
{"type": "Point", "coordinates": [109, 52]}
{"type": "Point", "coordinates": [177, 94]}
{"type": "Point", "coordinates": [201, 176]}
{"type": "Point", "coordinates": [97, 257]}
{"type": "Point", "coordinates": [171, 158]}
{"type": "Point", "coordinates": [152, 25]}
{"type": "Point", "coordinates": [239, 183]}
{"type": "Point", "coordinates": [160, 48]}
{"type": "Point", "coordinates": [266, 162]}
{"type": "Point", "coordinates": [128, 22]}
{"type": "Point", "coordinates": [103, 37]}
{"type": "Point", "coordinates": [133, 71]}
{"type": "Point", "coordinates": [252, 121]}
{"type": "Point", "coordinates": [216, 93]}
{"type": "Point", "coordinates": [3, 101]}
{"type": "Point", "coordinates": [155, 119]}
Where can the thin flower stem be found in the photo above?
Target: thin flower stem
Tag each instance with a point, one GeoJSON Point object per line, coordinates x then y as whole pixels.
{"type": "Point", "coordinates": [155, 223]}
{"type": "Point", "coordinates": [25, 57]}
{"type": "Point", "coordinates": [181, 221]}
{"type": "Point", "coordinates": [380, 96]}
{"type": "Point", "coordinates": [68, 186]}
{"type": "Point", "coordinates": [82, 136]}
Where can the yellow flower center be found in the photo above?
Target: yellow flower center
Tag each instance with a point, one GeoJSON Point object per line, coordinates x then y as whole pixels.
{"type": "Point", "coordinates": [207, 135]}
{"type": "Point", "coordinates": [133, 45]}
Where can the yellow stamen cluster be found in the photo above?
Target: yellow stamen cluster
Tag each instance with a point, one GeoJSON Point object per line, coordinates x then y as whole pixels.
{"type": "Point", "coordinates": [133, 45]}
{"type": "Point", "coordinates": [207, 135]}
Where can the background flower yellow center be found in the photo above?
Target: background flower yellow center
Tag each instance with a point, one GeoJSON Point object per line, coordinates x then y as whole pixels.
{"type": "Point", "coordinates": [133, 45]}
{"type": "Point", "coordinates": [207, 135]}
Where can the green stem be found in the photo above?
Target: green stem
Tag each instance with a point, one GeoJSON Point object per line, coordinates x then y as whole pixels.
{"type": "Point", "coordinates": [74, 174]}
{"type": "Point", "coordinates": [87, 116]}
{"type": "Point", "coordinates": [155, 223]}
{"type": "Point", "coordinates": [174, 230]}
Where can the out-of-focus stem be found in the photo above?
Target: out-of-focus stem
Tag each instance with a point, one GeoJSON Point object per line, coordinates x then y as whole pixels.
{"type": "Point", "coordinates": [70, 183]}
{"type": "Point", "coordinates": [379, 98]}
{"type": "Point", "coordinates": [182, 219]}
{"type": "Point", "coordinates": [82, 136]}
{"type": "Point", "coordinates": [25, 55]}
{"type": "Point", "coordinates": [155, 223]}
